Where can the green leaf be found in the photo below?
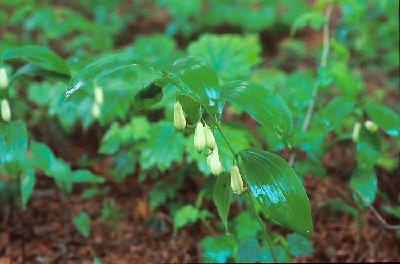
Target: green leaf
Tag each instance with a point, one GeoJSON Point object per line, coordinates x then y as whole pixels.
{"type": "Point", "coordinates": [150, 94]}
{"type": "Point", "coordinates": [365, 185]}
{"type": "Point", "coordinates": [27, 184]}
{"type": "Point", "coordinates": [38, 56]}
{"type": "Point", "coordinates": [265, 107]}
{"type": "Point", "coordinates": [246, 226]}
{"type": "Point", "coordinates": [218, 249]}
{"type": "Point", "coordinates": [13, 147]}
{"type": "Point", "coordinates": [278, 189]}
{"type": "Point", "coordinates": [164, 146]}
{"type": "Point", "coordinates": [314, 19]}
{"type": "Point", "coordinates": [82, 223]}
{"type": "Point", "coordinates": [185, 215]}
{"type": "Point", "coordinates": [222, 196]}
{"type": "Point", "coordinates": [250, 251]}
{"type": "Point", "coordinates": [199, 81]}
{"type": "Point", "coordinates": [384, 117]}
{"type": "Point", "coordinates": [232, 56]}
{"type": "Point", "coordinates": [85, 176]}
{"type": "Point", "coordinates": [41, 156]}
{"type": "Point", "coordinates": [337, 110]}
{"type": "Point", "coordinates": [103, 68]}
{"type": "Point", "coordinates": [298, 245]}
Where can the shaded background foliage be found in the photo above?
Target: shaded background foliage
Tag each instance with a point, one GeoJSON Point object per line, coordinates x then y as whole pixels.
{"type": "Point", "coordinates": [133, 151]}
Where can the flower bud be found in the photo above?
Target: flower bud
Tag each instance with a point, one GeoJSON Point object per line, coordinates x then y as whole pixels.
{"type": "Point", "coordinates": [98, 95]}
{"type": "Point", "coordinates": [3, 78]}
{"type": "Point", "coordinates": [236, 180]}
{"type": "Point", "coordinates": [356, 131]}
{"type": "Point", "coordinates": [96, 110]}
{"type": "Point", "coordinates": [179, 117]}
{"type": "Point", "coordinates": [210, 140]}
{"type": "Point", "coordinates": [214, 163]}
{"type": "Point", "coordinates": [371, 126]}
{"type": "Point", "coordinates": [5, 110]}
{"type": "Point", "coordinates": [199, 137]}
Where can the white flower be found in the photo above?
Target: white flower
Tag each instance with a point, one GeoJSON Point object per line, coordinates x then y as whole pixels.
{"type": "Point", "coordinates": [236, 180]}
{"type": "Point", "coordinates": [199, 137]}
{"type": "Point", "coordinates": [3, 78]}
{"type": "Point", "coordinates": [98, 95]}
{"type": "Point", "coordinates": [214, 163]}
{"type": "Point", "coordinates": [371, 126]}
{"type": "Point", "coordinates": [179, 117]}
{"type": "Point", "coordinates": [5, 110]}
{"type": "Point", "coordinates": [96, 110]}
{"type": "Point", "coordinates": [356, 131]}
{"type": "Point", "coordinates": [210, 140]}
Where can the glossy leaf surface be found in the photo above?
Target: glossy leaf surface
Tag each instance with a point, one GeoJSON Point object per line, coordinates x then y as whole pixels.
{"type": "Point", "coordinates": [199, 81]}
{"type": "Point", "coordinates": [103, 68]}
{"type": "Point", "coordinates": [222, 196]}
{"type": "Point", "coordinates": [278, 189]}
{"type": "Point", "coordinates": [38, 56]}
{"type": "Point", "coordinates": [265, 107]}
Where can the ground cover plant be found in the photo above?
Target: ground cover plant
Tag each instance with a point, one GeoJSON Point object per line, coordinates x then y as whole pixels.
{"type": "Point", "coordinates": [199, 131]}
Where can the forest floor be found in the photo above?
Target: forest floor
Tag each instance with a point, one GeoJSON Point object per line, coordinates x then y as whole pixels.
{"type": "Point", "coordinates": [44, 233]}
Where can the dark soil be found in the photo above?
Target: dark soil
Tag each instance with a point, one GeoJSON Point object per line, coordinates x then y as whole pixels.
{"type": "Point", "coordinates": [44, 233]}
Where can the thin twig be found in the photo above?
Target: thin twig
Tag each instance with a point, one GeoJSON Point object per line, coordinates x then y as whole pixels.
{"type": "Point", "coordinates": [323, 63]}
{"type": "Point", "coordinates": [375, 212]}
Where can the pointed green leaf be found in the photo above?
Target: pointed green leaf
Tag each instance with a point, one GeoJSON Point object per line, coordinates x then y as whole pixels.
{"type": "Point", "coordinates": [27, 184]}
{"type": "Point", "coordinates": [13, 146]}
{"type": "Point", "coordinates": [365, 185]}
{"type": "Point", "coordinates": [38, 56]}
{"type": "Point", "coordinates": [277, 188]}
{"type": "Point", "coordinates": [232, 56]}
{"type": "Point", "coordinates": [82, 223]}
{"type": "Point", "coordinates": [199, 81]}
{"type": "Point", "coordinates": [103, 68]}
{"type": "Point", "coordinates": [222, 196]}
{"type": "Point", "coordinates": [384, 117]}
{"type": "Point", "coordinates": [265, 107]}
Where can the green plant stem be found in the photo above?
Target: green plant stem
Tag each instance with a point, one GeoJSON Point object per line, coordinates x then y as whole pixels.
{"type": "Point", "coordinates": [262, 226]}
{"type": "Point", "coordinates": [249, 195]}
{"type": "Point", "coordinates": [323, 63]}
{"type": "Point", "coordinates": [177, 84]}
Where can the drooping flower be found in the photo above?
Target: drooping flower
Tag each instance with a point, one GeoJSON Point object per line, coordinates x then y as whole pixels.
{"type": "Point", "coordinates": [5, 110]}
{"type": "Point", "coordinates": [356, 131]}
{"type": "Point", "coordinates": [3, 78]}
{"type": "Point", "coordinates": [213, 162]}
{"type": "Point", "coordinates": [210, 140]}
{"type": "Point", "coordinates": [199, 137]}
{"type": "Point", "coordinates": [96, 110]}
{"type": "Point", "coordinates": [371, 126]}
{"type": "Point", "coordinates": [98, 94]}
{"type": "Point", "coordinates": [179, 117]}
{"type": "Point", "coordinates": [236, 180]}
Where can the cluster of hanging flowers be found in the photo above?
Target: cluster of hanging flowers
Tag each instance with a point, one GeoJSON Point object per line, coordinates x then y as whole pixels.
{"type": "Point", "coordinates": [204, 137]}
{"type": "Point", "coordinates": [98, 101]}
{"type": "Point", "coordinates": [369, 125]}
{"type": "Point", "coordinates": [4, 104]}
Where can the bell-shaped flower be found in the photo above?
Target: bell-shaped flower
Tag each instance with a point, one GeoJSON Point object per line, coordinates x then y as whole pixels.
{"type": "Point", "coordinates": [236, 180]}
{"type": "Point", "coordinates": [371, 126]}
{"type": "Point", "coordinates": [96, 111]}
{"type": "Point", "coordinates": [210, 140]}
{"type": "Point", "coordinates": [179, 117]}
{"type": "Point", "coordinates": [356, 131]}
{"type": "Point", "coordinates": [214, 163]}
{"type": "Point", "coordinates": [98, 95]}
{"type": "Point", "coordinates": [199, 137]}
{"type": "Point", "coordinates": [3, 78]}
{"type": "Point", "coordinates": [5, 110]}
